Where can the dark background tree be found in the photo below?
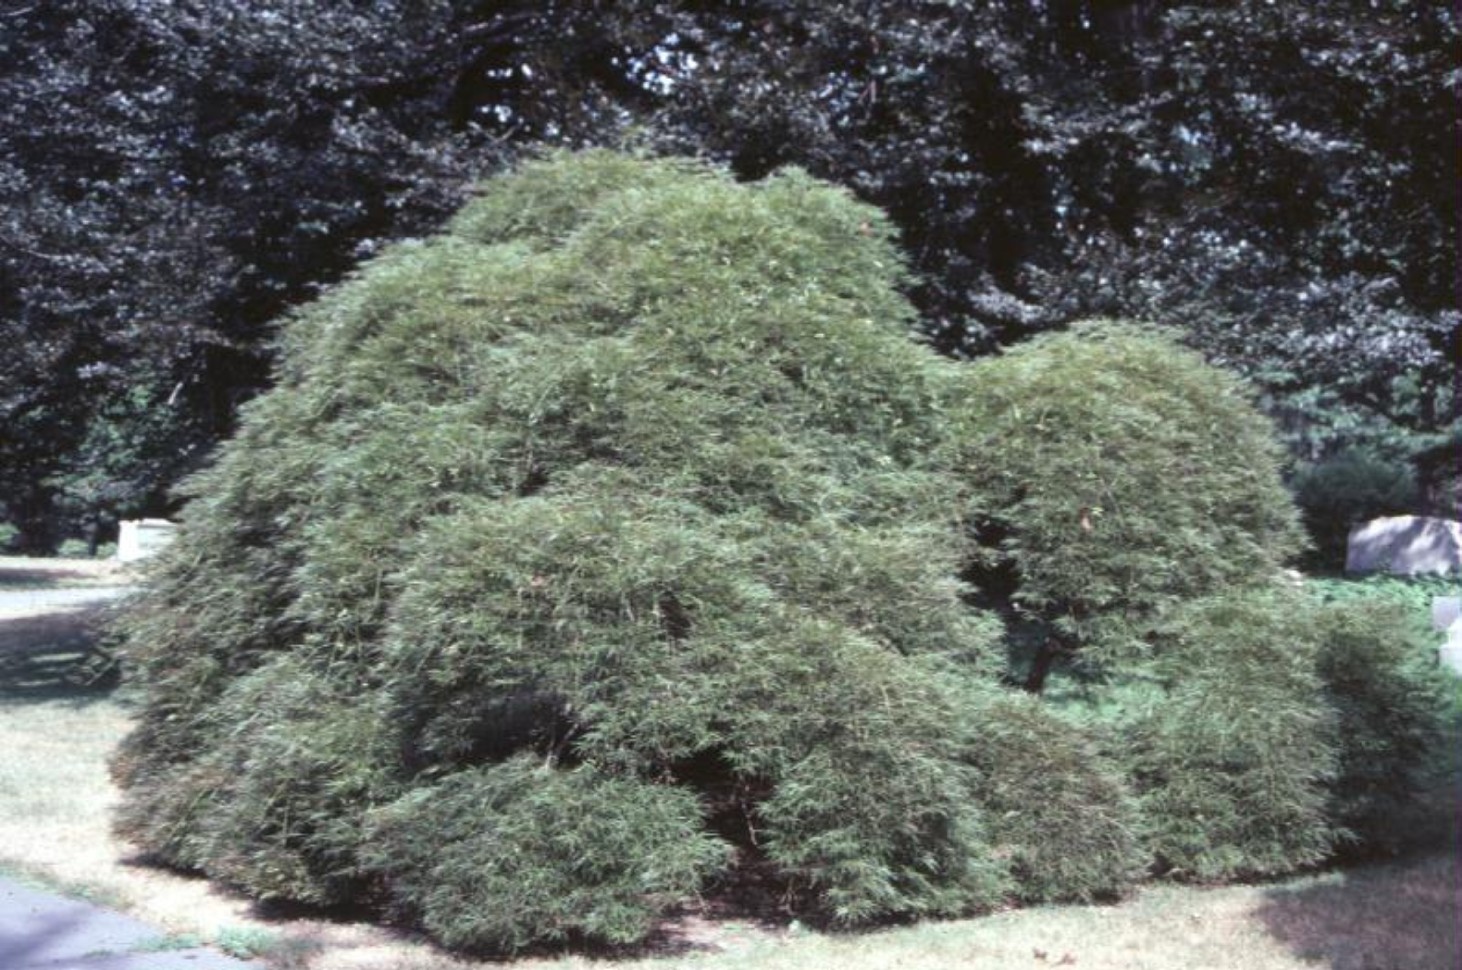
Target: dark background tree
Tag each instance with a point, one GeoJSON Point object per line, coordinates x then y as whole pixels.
{"type": "Point", "coordinates": [177, 176]}
{"type": "Point", "coordinates": [1280, 182]}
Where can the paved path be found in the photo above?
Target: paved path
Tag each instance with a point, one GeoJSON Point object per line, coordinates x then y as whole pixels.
{"type": "Point", "coordinates": [43, 931]}
{"type": "Point", "coordinates": [26, 600]}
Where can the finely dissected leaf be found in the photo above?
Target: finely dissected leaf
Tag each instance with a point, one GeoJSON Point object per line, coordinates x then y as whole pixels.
{"type": "Point", "coordinates": [609, 545]}
{"type": "Point", "coordinates": [630, 476]}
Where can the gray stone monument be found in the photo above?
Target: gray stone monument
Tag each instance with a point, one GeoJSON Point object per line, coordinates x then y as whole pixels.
{"type": "Point", "coordinates": [1405, 545]}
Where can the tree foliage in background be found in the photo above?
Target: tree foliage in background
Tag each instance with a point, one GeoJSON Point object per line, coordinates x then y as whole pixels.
{"type": "Point", "coordinates": [177, 175]}
{"type": "Point", "coordinates": [1276, 181]}
{"type": "Point", "coordinates": [1345, 490]}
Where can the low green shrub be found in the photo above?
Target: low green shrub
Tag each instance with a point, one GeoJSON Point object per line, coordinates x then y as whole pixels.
{"type": "Point", "coordinates": [498, 858]}
{"type": "Point", "coordinates": [74, 549]}
{"type": "Point", "coordinates": [1345, 490]}
{"type": "Point", "coordinates": [1275, 727]}
{"type": "Point", "coordinates": [1233, 749]}
{"type": "Point", "coordinates": [248, 942]}
{"type": "Point", "coordinates": [1415, 593]}
{"type": "Point", "coordinates": [1377, 661]}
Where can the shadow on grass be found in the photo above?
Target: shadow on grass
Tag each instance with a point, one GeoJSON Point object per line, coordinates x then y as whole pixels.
{"type": "Point", "coordinates": [1398, 916]}
{"type": "Point", "coordinates": [39, 578]}
{"type": "Point", "coordinates": [22, 573]}
{"type": "Point", "coordinates": [1401, 914]}
{"type": "Point", "coordinates": [59, 655]}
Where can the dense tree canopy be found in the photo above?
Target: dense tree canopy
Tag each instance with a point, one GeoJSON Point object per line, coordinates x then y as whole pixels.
{"type": "Point", "coordinates": [177, 175]}
{"type": "Point", "coordinates": [1277, 181]}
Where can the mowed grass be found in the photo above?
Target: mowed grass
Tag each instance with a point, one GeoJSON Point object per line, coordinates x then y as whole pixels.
{"type": "Point", "coordinates": [55, 800]}
{"type": "Point", "coordinates": [24, 572]}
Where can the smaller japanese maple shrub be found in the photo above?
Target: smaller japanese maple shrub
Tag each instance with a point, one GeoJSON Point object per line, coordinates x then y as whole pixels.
{"type": "Point", "coordinates": [1127, 518]}
{"type": "Point", "coordinates": [1112, 472]}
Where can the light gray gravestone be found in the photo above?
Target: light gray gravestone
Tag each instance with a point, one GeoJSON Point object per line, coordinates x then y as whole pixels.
{"type": "Point", "coordinates": [1405, 545]}
{"type": "Point", "coordinates": [1450, 653]}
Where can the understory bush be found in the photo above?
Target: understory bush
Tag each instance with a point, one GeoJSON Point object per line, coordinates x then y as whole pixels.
{"type": "Point", "coordinates": [1273, 728]}
{"type": "Point", "coordinates": [1233, 748]}
{"type": "Point", "coordinates": [614, 545]}
{"type": "Point", "coordinates": [1345, 490]}
{"type": "Point", "coordinates": [1377, 661]}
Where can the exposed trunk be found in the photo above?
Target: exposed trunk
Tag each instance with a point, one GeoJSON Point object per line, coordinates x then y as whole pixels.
{"type": "Point", "coordinates": [1050, 648]}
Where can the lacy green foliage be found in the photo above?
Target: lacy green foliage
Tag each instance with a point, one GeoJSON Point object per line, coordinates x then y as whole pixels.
{"type": "Point", "coordinates": [633, 469]}
{"type": "Point", "coordinates": [877, 816]}
{"type": "Point", "coordinates": [1272, 727]}
{"type": "Point", "coordinates": [1347, 489]}
{"type": "Point", "coordinates": [1379, 668]}
{"type": "Point", "coordinates": [1057, 808]}
{"type": "Point", "coordinates": [501, 857]}
{"type": "Point", "coordinates": [1235, 753]}
{"type": "Point", "coordinates": [1413, 592]}
{"type": "Point", "coordinates": [642, 632]}
{"type": "Point", "coordinates": [1115, 472]}
{"type": "Point", "coordinates": [272, 805]}
{"type": "Point", "coordinates": [611, 540]}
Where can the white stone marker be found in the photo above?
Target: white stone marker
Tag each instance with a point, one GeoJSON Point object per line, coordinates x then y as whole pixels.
{"type": "Point", "coordinates": [1445, 609]}
{"type": "Point", "coordinates": [1450, 653]}
{"type": "Point", "coordinates": [140, 538]}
